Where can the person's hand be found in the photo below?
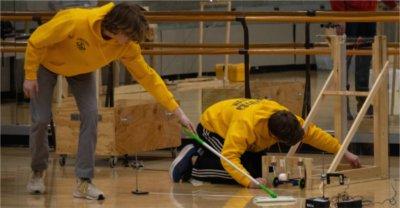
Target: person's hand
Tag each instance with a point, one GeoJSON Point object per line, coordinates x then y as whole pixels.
{"type": "Point", "coordinates": [184, 120]}
{"type": "Point", "coordinates": [352, 159]}
{"type": "Point", "coordinates": [261, 180]}
{"type": "Point", "coordinates": [31, 88]}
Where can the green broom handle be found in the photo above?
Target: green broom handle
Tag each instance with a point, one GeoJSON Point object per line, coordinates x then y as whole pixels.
{"type": "Point", "coordinates": [200, 141]}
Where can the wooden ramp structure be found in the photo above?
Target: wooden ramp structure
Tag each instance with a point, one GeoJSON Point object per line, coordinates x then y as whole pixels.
{"type": "Point", "coordinates": [378, 95]}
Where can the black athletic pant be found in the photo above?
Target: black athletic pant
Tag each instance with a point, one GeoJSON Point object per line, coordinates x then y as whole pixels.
{"type": "Point", "coordinates": [208, 166]}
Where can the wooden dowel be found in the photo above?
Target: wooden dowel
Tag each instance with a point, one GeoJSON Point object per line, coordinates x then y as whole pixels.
{"type": "Point", "coordinates": [347, 93]}
{"type": "Point", "coordinates": [315, 19]}
{"type": "Point", "coordinates": [267, 51]}
{"type": "Point", "coordinates": [19, 15]}
{"type": "Point", "coordinates": [392, 45]}
{"type": "Point", "coordinates": [312, 113]}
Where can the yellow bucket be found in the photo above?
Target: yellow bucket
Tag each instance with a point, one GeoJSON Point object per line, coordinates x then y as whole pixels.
{"type": "Point", "coordinates": [235, 72]}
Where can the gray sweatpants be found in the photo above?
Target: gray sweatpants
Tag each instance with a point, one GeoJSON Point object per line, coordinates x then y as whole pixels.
{"type": "Point", "coordinates": [84, 90]}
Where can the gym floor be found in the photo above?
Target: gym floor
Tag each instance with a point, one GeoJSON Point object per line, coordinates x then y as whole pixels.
{"type": "Point", "coordinates": [117, 183]}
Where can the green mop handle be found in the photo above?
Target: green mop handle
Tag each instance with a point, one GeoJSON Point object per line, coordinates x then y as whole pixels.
{"type": "Point", "coordinates": [200, 141]}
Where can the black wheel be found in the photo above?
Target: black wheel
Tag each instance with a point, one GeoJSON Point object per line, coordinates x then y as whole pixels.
{"type": "Point", "coordinates": [275, 182]}
{"type": "Point", "coordinates": [62, 159]}
{"type": "Point", "coordinates": [302, 183]}
{"type": "Point", "coordinates": [112, 161]}
{"type": "Point", "coordinates": [125, 161]}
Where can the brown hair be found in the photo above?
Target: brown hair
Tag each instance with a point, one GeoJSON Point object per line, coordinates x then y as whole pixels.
{"type": "Point", "coordinates": [285, 126]}
{"type": "Point", "coordinates": [127, 18]}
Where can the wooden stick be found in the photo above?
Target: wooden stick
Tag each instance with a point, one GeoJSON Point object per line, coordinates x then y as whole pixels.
{"type": "Point", "coordinates": [201, 40]}
{"type": "Point", "coordinates": [312, 113]}
{"type": "Point", "coordinates": [357, 121]}
{"type": "Point", "coordinates": [347, 93]}
{"type": "Point", "coordinates": [269, 51]}
{"type": "Point", "coordinates": [230, 16]}
{"type": "Point", "coordinates": [396, 65]}
{"type": "Point", "coordinates": [393, 45]}
{"type": "Point", "coordinates": [196, 13]}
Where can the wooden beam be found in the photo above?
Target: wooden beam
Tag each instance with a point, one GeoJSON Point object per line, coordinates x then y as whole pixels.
{"type": "Point", "coordinates": [396, 65]}
{"type": "Point", "coordinates": [196, 13]}
{"type": "Point", "coordinates": [214, 51]}
{"type": "Point", "coordinates": [339, 77]}
{"type": "Point", "coordinates": [346, 93]}
{"type": "Point", "coordinates": [381, 117]}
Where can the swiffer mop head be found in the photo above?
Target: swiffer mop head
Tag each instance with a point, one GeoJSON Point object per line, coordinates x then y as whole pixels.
{"type": "Point", "coordinates": [267, 199]}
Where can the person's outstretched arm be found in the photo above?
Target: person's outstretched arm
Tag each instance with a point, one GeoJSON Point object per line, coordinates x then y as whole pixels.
{"type": "Point", "coordinates": [152, 82]}
{"type": "Point", "coordinates": [320, 139]}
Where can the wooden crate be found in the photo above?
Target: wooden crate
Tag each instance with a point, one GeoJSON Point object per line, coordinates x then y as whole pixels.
{"type": "Point", "coordinates": [129, 127]}
{"type": "Point", "coordinates": [144, 127]}
{"type": "Point", "coordinates": [67, 131]}
{"type": "Point", "coordinates": [287, 93]}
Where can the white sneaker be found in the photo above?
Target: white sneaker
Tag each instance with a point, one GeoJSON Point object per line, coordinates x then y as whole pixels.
{"type": "Point", "coordinates": [86, 189]}
{"type": "Point", "coordinates": [36, 183]}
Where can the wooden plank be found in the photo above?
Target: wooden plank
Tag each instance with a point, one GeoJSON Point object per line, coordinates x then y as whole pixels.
{"type": "Point", "coordinates": [116, 67]}
{"type": "Point", "coordinates": [145, 127]}
{"type": "Point", "coordinates": [346, 93]}
{"type": "Point", "coordinates": [212, 96]}
{"type": "Point", "coordinates": [278, 91]}
{"type": "Point", "coordinates": [381, 114]}
{"type": "Point", "coordinates": [98, 84]}
{"type": "Point", "coordinates": [396, 65]}
{"type": "Point", "coordinates": [67, 132]}
{"type": "Point", "coordinates": [339, 59]}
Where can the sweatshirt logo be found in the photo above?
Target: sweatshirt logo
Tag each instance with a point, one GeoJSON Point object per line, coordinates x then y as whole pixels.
{"type": "Point", "coordinates": [242, 104]}
{"type": "Point", "coordinates": [81, 44]}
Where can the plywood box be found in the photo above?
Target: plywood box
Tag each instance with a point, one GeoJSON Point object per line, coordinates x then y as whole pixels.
{"type": "Point", "coordinates": [129, 127]}
{"type": "Point", "coordinates": [289, 94]}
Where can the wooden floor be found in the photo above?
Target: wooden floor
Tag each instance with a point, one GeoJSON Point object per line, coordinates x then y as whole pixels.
{"type": "Point", "coordinates": [117, 183]}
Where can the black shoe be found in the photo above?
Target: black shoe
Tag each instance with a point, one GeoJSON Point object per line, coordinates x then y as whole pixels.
{"type": "Point", "coordinates": [181, 167]}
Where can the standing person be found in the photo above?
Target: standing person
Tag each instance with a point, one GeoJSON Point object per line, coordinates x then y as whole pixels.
{"type": "Point", "coordinates": [241, 130]}
{"type": "Point", "coordinates": [360, 31]}
{"type": "Point", "coordinates": [74, 43]}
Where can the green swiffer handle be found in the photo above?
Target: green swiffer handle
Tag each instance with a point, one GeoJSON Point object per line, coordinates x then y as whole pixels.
{"type": "Point", "coordinates": [193, 135]}
{"type": "Point", "coordinates": [196, 137]}
{"type": "Point", "coordinates": [271, 193]}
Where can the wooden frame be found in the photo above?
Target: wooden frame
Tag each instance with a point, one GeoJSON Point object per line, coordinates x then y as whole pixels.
{"type": "Point", "coordinates": [378, 95]}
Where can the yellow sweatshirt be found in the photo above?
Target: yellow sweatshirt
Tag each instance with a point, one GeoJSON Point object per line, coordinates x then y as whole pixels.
{"type": "Point", "coordinates": [243, 123]}
{"type": "Point", "coordinates": [71, 44]}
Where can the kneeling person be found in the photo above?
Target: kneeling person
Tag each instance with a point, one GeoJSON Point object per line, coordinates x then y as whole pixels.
{"type": "Point", "coordinates": [242, 129]}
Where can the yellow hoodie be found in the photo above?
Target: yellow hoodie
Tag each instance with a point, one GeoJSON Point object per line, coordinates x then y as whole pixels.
{"type": "Point", "coordinates": [71, 44]}
{"type": "Point", "coordinates": [243, 123]}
